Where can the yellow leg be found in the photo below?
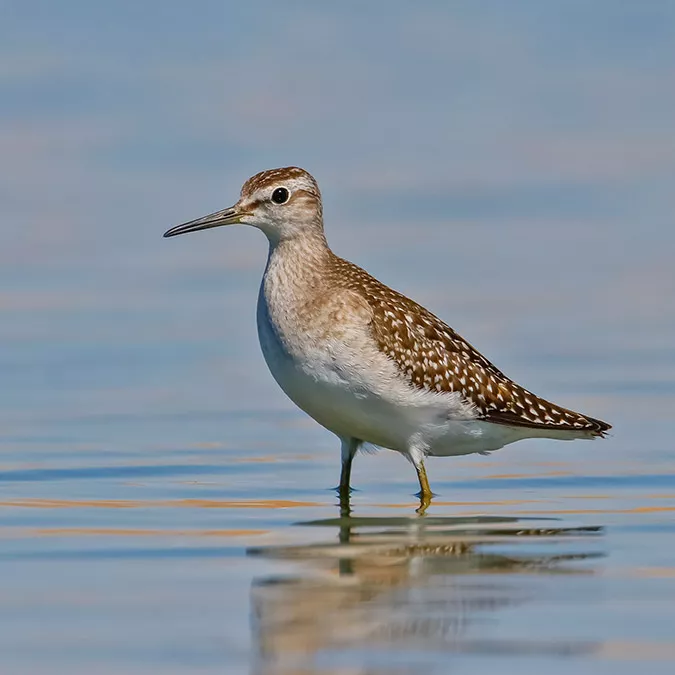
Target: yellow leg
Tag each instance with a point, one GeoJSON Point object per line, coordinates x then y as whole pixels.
{"type": "Point", "coordinates": [425, 493]}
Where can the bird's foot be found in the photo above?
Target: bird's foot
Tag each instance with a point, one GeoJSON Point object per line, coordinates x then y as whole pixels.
{"type": "Point", "coordinates": [425, 500]}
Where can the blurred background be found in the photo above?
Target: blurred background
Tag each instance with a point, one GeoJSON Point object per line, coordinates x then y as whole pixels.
{"type": "Point", "coordinates": [509, 165]}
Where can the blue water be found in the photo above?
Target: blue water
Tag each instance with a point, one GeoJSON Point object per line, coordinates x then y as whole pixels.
{"type": "Point", "coordinates": [163, 507]}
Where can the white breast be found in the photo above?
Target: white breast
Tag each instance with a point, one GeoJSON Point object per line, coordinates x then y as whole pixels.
{"type": "Point", "coordinates": [322, 383]}
{"type": "Point", "coordinates": [348, 386]}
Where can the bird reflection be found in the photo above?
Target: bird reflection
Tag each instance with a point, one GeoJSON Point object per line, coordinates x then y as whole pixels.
{"type": "Point", "coordinates": [402, 584]}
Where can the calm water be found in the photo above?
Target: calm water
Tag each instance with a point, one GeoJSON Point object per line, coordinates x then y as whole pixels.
{"type": "Point", "coordinates": [163, 508]}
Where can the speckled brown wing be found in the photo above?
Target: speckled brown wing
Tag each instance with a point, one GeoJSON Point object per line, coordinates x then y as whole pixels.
{"type": "Point", "coordinates": [434, 357]}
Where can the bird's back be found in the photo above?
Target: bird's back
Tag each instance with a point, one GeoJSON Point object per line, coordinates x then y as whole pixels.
{"type": "Point", "coordinates": [433, 357]}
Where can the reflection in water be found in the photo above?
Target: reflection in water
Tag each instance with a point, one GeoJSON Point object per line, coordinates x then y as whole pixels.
{"type": "Point", "coordinates": [382, 588]}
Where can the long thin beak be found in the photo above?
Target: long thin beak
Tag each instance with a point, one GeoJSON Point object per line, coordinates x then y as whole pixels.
{"type": "Point", "coordinates": [228, 216]}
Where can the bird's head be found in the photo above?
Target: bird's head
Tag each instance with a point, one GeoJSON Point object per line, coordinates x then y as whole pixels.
{"type": "Point", "coordinates": [283, 203]}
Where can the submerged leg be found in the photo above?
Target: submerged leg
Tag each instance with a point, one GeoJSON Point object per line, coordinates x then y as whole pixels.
{"type": "Point", "coordinates": [345, 509]}
{"type": "Point", "coordinates": [416, 455]}
{"type": "Point", "coordinates": [348, 450]}
{"type": "Point", "coordinates": [425, 494]}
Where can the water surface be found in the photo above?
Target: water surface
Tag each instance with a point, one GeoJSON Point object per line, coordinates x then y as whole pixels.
{"type": "Point", "coordinates": [163, 508]}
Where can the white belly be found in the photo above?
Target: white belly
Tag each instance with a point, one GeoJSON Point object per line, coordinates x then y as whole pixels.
{"type": "Point", "coordinates": [316, 386]}
{"type": "Point", "coordinates": [365, 398]}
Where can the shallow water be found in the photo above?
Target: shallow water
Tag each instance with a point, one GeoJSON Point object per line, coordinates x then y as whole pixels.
{"type": "Point", "coordinates": [148, 539]}
{"type": "Point", "coordinates": [163, 508]}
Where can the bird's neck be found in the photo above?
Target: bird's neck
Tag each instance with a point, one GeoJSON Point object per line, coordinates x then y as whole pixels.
{"type": "Point", "coordinates": [296, 270]}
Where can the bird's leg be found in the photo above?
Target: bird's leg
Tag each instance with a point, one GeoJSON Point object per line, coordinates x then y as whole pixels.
{"type": "Point", "coordinates": [345, 475]}
{"type": "Point", "coordinates": [345, 505]}
{"type": "Point", "coordinates": [348, 450]}
{"type": "Point", "coordinates": [425, 494]}
{"type": "Point", "coordinates": [416, 454]}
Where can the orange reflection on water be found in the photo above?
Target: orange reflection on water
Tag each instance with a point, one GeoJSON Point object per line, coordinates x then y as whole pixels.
{"type": "Point", "coordinates": [130, 532]}
{"type": "Point", "coordinates": [148, 503]}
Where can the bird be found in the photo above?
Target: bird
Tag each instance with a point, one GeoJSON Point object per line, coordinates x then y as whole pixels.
{"type": "Point", "coordinates": [363, 360]}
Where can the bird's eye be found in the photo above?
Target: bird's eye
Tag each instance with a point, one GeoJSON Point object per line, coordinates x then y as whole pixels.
{"type": "Point", "coordinates": [280, 195]}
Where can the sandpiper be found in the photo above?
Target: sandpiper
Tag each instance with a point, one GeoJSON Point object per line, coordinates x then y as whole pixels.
{"type": "Point", "coordinates": [366, 362]}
